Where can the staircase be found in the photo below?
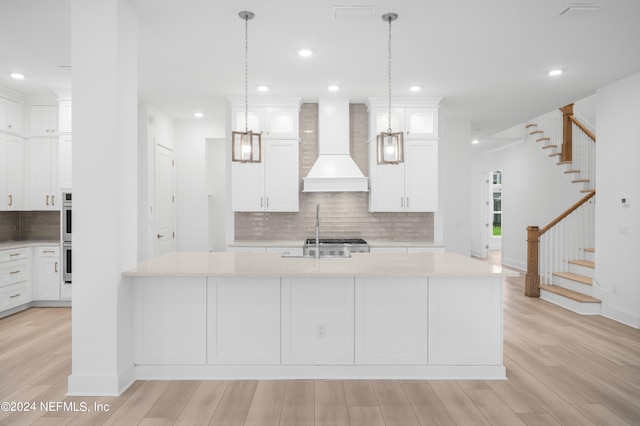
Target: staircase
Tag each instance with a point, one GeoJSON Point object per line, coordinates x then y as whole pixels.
{"type": "Point", "coordinates": [561, 257]}
{"type": "Point", "coordinates": [573, 289]}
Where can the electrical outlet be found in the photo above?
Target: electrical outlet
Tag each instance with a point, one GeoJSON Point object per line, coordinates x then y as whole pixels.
{"type": "Point", "coordinates": [321, 331]}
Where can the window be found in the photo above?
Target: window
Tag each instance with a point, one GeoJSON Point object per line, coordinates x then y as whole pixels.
{"type": "Point", "coordinates": [496, 190]}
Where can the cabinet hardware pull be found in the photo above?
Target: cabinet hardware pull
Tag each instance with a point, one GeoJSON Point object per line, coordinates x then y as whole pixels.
{"type": "Point", "coordinates": [10, 199]}
{"type": "Point", "coordinates": [14, 272]}
{"type": "Point", "coordinates": [9, 125]}
{"type": "Point", "coordinates": [48, 251]}
{"type": "Point", "coordinates": [47, 200]}
{"type": "Point", "coordinates": [267, 202]}
{"type": "Point", "coordinates": [407, 202]}
{"type": "Point", "coordinates": [160, 236]}
{"type": "Point", "coordinates": [53, 200]}
{"type": "Point", "coordinates": [15, 254]}
{"type": "Point", "coordinates": [401, 201]}
{"type": "Point", "coordinates": [261, 201]}
{"type": "Point", "coordinates": [15, 295]}
{"type": "Point", "coordinates": [55, 267]}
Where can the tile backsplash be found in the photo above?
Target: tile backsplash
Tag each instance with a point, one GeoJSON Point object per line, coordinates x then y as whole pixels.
{"type": "Point", "coordinates": [29, 225]}
{"type": "Point", "coordinates": [342, 214]}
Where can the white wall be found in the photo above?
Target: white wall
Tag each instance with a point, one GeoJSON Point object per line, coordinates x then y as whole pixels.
{"type": "Point", "coordinates": [618, 174]}
{"type": "Point", "coordinates": [534, 191]}
{"type": "Point", "coordinates": [453, 218]}
{"type": "Point", "coordinates": [192, 230]}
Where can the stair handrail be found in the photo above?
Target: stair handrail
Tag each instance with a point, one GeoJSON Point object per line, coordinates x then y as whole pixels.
{"type": "Point", "coordinates": [582, 127]}
{"type": "Point", "coordinates": [532, 277]}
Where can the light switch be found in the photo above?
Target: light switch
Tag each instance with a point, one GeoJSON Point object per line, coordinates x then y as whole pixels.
{"type": "Point", "coordinates": [624, 201]}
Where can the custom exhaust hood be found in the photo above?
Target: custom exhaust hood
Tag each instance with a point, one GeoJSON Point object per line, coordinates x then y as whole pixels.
{"type": "Point", "coordinates": [334, 170]}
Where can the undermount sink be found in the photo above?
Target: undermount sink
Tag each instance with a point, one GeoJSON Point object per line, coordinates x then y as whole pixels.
{"type": "Point", "coordinates": [310, 256]}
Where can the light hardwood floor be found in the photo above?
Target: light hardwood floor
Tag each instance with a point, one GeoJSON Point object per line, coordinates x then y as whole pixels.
{"type": "Point", "coordinates": [562, 369]}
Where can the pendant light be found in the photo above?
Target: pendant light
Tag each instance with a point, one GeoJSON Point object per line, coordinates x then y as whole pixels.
{"type": "Point", "coordinates": [390, 145]}
{"type": "Point", "coordinates": [246, 147]}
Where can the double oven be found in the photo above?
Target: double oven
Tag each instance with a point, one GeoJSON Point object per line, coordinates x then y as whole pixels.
{"type": "Point", "coordinates": [66, 237]}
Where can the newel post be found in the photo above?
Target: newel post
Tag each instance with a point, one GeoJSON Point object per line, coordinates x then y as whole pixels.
{"type": "Point", "coordinates": [532, 279]}
{"type": "Point", "coordinates": [567, 132]}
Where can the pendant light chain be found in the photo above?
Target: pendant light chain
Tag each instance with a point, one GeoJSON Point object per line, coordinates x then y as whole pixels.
{"type": "Point", "coordinates": [389, 46]}
{"type": "Point", "coordinates": [246, 73]}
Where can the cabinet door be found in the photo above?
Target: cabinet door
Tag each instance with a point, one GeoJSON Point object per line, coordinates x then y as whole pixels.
{"type": "Point", "coordinates": [281, 122]}
{"type": "Point", "coordinates": [65, 117]}
{"type": "Point", "coordinates": [387, 184]}
{"type": "Point", "coordinates": [65, 162]}
{"type": "Point", "coordinates": [247, 187]}
{"type": "Point", "coordinates": [421, 122]}
{"type": "Point", "coordinates": [3, 114]}
{"type": "Point", "coordinates": [421, 176]}
{"type": "Point", "coordinates": [46, 285]}
{"type": "Point", "coordinates": [281, 179]}
{"type": "Point", "coordinates": [15, 195]}
{"type": "Point", "coordinates": [255, 119]}
{"type": "Point", "coordinates": [14, 117]}
{"type": "Point", "coordinates": [380, 120]}
{"type": "Point", "coordinates": [391, 321]}
{"type": "Point", "coordinates": [43, 121]}
{"type": "Point", "coordinates": [44, 174]}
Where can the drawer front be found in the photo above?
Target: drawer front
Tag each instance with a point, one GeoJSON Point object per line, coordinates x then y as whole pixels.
{"type": "Point", "coordinates": [14, 254]}
{"type": "Point", "coordinates": [14, 295]}
{"type": "Point", "coordinates": [14, 272]}
{"type": "Point", "coordinates": [49, 251]}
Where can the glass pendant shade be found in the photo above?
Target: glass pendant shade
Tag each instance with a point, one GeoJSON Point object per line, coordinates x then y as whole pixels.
{"type": "Point", "coordinates": [246, 147]}
{"type": "Point", "coordinates": [390, 147]}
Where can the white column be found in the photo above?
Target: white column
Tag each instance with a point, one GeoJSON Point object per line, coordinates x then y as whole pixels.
{"type": "Point", "coordinates": [104, 83]}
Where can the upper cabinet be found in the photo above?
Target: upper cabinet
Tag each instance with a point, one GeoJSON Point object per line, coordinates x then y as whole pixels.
{"type": "Point", "coordinates": [12, 189]}
{"type": "Point", "coordinates": [411, 186]}
{"type": "Point", "coordinates": [11, 116]}
{"type": "Point", "coordinates": [43, 121]}
{"type": "Point", "coordinates": [272, 185]}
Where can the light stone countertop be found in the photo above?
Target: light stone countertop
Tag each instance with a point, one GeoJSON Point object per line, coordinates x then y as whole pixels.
{"type": "Point", "coordinates": [300, 243]}
{"type": "Point", "coordinates": [200, 264]}
{"type": "Point", "coordinates": [8, 245]}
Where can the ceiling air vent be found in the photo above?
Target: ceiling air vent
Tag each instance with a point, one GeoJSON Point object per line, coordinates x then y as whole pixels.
{"type": "Point", "coordinates": [353, 13]}
{"type": "Point", "coordinates": [580, 9]}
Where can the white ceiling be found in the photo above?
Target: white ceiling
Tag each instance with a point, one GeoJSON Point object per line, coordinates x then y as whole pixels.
{"type": "Point", "coordinates": [487, 59]}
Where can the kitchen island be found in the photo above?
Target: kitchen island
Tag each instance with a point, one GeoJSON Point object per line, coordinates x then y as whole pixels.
{"type": "Point", "coordinates": [264, 316]}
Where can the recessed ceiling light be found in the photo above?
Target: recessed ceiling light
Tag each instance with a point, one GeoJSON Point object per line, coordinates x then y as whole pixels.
{"type": "Point", "coordinates": [475, 141]}
{"type": "Point", "coordinates": [198, 114]}
{"type": "Point", "coordinates": [333, 88]}
{"type": "Point", "coordinates": [415, 88]}
{"type": "Point", "coordinates": [263, 88]}
{"type": "Point", "coordinates": [17, 76]}
{"type": "Point", "coordinates": [305, 52]}
{"type": "Point", "coordinates": [555, 72]}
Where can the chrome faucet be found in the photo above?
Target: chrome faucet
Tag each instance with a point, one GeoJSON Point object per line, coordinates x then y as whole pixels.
{"type": "Point", "coordinates": [317, 231]}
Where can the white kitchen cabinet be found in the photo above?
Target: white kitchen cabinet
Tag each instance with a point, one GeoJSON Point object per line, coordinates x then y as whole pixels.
{"type": "Point", "coordinates": [411, 186]}
{"type": "Point", "coordinates": [415, 123]}
{"type": "Point", "coordinates": [65, 117]}
{"type": "Point", "coordinates": [391, 321]}
{"type": "Point", "coordinates": [274, 122]}
{"type": "Point", "coordinates": [15, 278]}
{"type": "Point", "coordinates": [43, 171]}
{"type": "Point", "coordinates": [170, 321]}
{"type": "Point", "coordinates": [46, 285]}
{"type": "Point", "coordinates": [465, 321]}
{"type": "Point", "coordinates": [12, 177]}
{"type": "Point", "coordinates": [43, 121]}
{"type": "Point", "coordinates": [271, 185]}
{"type": "Point", "coordinates": [317, 321]}
{"type": "Point", "coordinates": [243, 321]}
{"type": "Point", "coordinates": [11, 116]}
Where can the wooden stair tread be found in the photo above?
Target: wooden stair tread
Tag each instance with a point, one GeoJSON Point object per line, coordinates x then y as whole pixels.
{"type": "Point", "coordinates": [543, 139]}
{"type": "Point", "coordinates": [535, 132]}
{"type": "Point", "coordinates": [586, 190]}
{"type": "Point", "coordinates": [570, 294]}
{"type": "Point", "coordinates": [585, 263]}
{"type": "Point", "coordinates": [580, 180]}
{"type": "Point", "coordinates": [563, 162]}
{"type": "Point", "coordinates": [572, 171]}
{"type": "Point", "coordinates": [530, 125]}
{"type": "Point", "coordinates": [549, 146]}
{"type": "Point", "coordinates": [555, 154]}
{"type": "Point", "coordinates": [574, 277]}
{"type": "Point", "coordinates": [590, 249]}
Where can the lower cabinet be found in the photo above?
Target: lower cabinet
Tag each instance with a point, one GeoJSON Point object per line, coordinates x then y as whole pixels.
{"type": "Point", "coordinates": [317, 321]}
{"type": "Point", "coordinates": [46, 285]}
{"type": "Point", "coordinates": [15, 278]}
{"type": "Point", "coordinates": [243, 325]}
{"type": "Point", "coordinates": [391, 321]}
{"type": "Point", "coordinates": [170, 321]}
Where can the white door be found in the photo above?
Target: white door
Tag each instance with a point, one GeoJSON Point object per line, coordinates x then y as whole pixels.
{"type": "Point", "coordinates": [165, 201]}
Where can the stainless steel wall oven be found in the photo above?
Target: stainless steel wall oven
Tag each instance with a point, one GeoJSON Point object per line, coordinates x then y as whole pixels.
{"type": "Point", "coordinates": [66, 237]}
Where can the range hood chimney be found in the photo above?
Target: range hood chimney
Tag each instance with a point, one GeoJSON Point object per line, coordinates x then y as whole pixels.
{"type": "Point", "coordinates": [334, 170]}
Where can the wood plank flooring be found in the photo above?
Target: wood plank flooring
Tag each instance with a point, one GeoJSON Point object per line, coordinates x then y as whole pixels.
{"type": "Point", "coordinates": [572, 370]}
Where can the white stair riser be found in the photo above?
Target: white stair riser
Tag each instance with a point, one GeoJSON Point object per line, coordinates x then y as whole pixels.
{"type": "Point", "coordinates": [570, 304]}
{"type": "Point", "coordinates": [581, 270]}
{"type": "Point", "coordinates": [589, 255]}
{"type": "Point", "coordinates": [573, 285]}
